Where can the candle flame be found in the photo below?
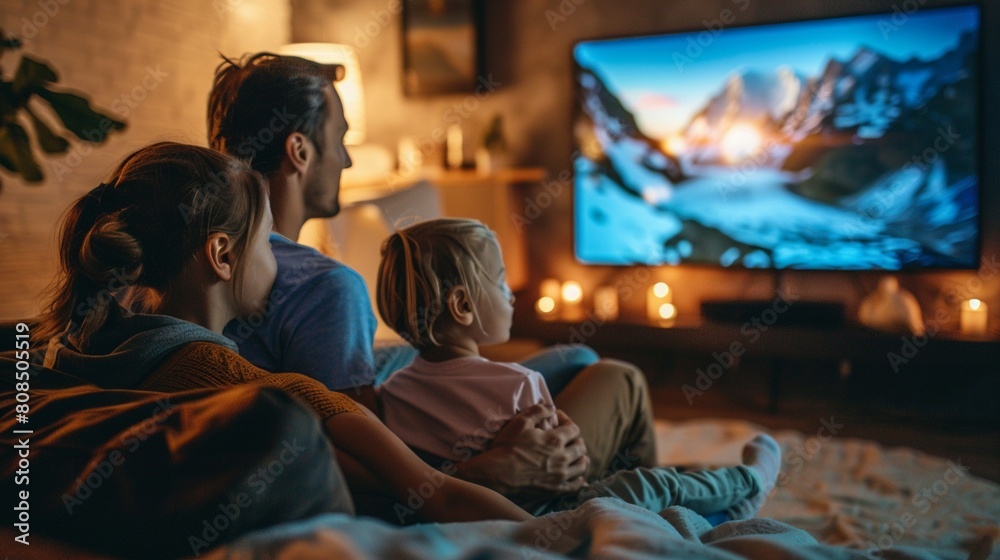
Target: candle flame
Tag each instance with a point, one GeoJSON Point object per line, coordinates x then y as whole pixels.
{"type": "Point", "coordinates": [661, 289]}
{"type": "Point", "coordinates": [571, 291]}
{"type": "Point", "coordinates": [667, 311]}
{"type": "Point", "coordinates": [546, 304]}
{"type": "Point", "coordinates": [974, 304]}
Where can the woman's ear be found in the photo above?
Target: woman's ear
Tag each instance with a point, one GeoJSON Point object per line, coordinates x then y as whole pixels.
{"type": "Point", "coordinates": [460, 306]}
{"type": "Point", "coordinates": [298, 151]}
{"type": "Point", "coordinates": [219, 256]}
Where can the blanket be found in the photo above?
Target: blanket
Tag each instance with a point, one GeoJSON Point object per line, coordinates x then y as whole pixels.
{"type": "Point", "coordinates": [603, 528]}
{"type": "Point", "coordinates": [835, 499]}
{"type": "Point", "coordinates": [853, 492]}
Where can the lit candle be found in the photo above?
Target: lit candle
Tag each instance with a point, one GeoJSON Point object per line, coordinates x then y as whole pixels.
{"type": "Point", "coordinates": [975, 316]}
{"type": "Point", "coordinates": [547, 305]}
{"type": "Point", "coordinates": [606, 303]}
{"type": "Point", "coordinates": [453, 145]}
{"type": "Point", "coordinates": [410, 158]}
{"type": "Point", "coordinates": [659, 304]}
{"type": "Point", "coordinates": [572, 301]}
{"type": "Point", "coordinates": [667, 314]}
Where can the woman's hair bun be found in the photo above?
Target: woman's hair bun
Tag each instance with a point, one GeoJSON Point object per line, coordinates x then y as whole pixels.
{"type": "Point", "coordinates": [109, 252]}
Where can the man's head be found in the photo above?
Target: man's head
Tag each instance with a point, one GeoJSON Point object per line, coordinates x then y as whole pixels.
{"type": "Point", "coordinates": [282, 115]}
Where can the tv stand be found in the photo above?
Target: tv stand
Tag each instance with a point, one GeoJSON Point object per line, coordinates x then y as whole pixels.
{"type": "Point", "coordinates": [946, 372]}
{"type": "Point", "coordinates": [815, 314]}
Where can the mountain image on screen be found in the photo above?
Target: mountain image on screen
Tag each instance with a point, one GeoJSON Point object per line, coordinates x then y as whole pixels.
{"type": "Point", "coordinates": [821, 145]}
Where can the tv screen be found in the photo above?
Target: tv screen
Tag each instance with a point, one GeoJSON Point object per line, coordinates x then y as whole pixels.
{"type": "Point", "coordinates": [845, 143]}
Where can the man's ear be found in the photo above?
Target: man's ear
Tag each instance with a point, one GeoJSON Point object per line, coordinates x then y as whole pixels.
{"type": "Point", "coordinates": [460, 306]}
{"type": "Point", "coordinates": [298, 151]}
{"type": "Point", "coordinates": [219, 256]}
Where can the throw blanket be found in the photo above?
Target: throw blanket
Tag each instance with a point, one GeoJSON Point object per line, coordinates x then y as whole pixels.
{"type": "Point", "coordinates": [603, 528]}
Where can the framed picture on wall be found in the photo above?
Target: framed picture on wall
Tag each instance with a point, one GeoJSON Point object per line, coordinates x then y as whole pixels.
{"type": "Point", "coordinates": [441, 46]}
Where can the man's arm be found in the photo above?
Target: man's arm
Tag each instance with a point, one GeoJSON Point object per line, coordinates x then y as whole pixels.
{"type": "Point", "coordinates": [365, 395]}
{"type": "Point", "coordinates": [525, 457]}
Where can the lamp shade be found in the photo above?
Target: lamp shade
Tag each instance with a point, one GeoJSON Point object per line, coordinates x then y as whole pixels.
{"type": "Point", "coordinates": [350, 89]}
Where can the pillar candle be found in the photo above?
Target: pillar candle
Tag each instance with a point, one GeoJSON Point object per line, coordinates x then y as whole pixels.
{"type": "Point", "coordinates": [606, 303]}
{"type": "Point", "coordinates": [974, 318]}
{"type": "Point", "coordinates": [549, 298]}
{"type": "Point", "coordinates": [572, 301]}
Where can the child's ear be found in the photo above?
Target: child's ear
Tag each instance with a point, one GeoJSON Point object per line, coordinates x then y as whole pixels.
{"type": "Point", "coordinates": [219, 256]}
{"type": "Point", "coordinates": [460, 306]}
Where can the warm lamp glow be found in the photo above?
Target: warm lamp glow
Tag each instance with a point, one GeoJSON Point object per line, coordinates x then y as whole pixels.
{"type": "Point", "coordinates": [571, 291]}
{"type": "Point", "coordinates": [350, 89]}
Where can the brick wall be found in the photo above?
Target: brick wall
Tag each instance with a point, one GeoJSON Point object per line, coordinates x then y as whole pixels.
{"type": "Point", "coordinates": [149, 62]}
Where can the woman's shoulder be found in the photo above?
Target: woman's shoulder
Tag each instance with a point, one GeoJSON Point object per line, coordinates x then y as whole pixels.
{"type": "Point", "coordinates": [204, 364]}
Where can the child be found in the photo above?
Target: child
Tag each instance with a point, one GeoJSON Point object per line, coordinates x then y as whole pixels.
{"type": "Point", "coordinates": [441, 286]}
{"type": "Point", "coordinates": [185, 229]}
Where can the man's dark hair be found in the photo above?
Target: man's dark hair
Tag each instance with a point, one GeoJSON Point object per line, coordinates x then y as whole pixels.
{"type": "Point", "coordinates": [256, 102]}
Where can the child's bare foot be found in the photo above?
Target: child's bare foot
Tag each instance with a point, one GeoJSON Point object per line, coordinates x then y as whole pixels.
{"type": "Point", "coordinates": [763, 456]}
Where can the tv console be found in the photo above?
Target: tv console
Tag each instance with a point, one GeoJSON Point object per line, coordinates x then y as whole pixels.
{"type": "Point", "coordinates": [815, 314]}
{"type": "Point", "coordinates": [874, 366]}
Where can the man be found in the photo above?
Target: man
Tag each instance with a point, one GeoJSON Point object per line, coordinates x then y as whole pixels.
{"type": "Point", "coordinates": [283, 115]}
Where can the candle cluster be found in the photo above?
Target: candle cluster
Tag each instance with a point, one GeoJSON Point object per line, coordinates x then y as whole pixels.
{"type": "Point", "coordinates": [565, 301]}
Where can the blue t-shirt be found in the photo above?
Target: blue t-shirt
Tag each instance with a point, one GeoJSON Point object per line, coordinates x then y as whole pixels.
{"type": "Point", "coordinates": [317, 321]}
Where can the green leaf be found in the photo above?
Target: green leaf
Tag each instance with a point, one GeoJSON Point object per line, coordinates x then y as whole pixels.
{"type": "Point", "coordinates": [77, 116]}
{"type": "Point", "coordinates": [50, 142]}
{"type": "Point", "coordinates": [32, 74]}
{"type": "Point", "coordinates": [7, 110]}
{"type": "Point", "coordinates": [15, 153]}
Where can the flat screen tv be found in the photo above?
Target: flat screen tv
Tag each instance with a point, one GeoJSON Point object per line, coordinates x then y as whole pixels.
{"type": "Point", "coordinates": [844, 143]}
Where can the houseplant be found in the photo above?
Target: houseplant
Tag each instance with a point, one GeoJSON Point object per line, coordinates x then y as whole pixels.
{"type": "Point", "coordinates": [22, 96]}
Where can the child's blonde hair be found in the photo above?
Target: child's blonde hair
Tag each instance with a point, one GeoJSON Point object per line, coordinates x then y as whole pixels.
{"type": "Point", "coordinates": [420, 264]}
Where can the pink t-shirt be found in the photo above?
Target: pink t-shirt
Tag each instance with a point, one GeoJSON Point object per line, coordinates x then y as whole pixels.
{"type": "Point", "coordinates": [449, 408]}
